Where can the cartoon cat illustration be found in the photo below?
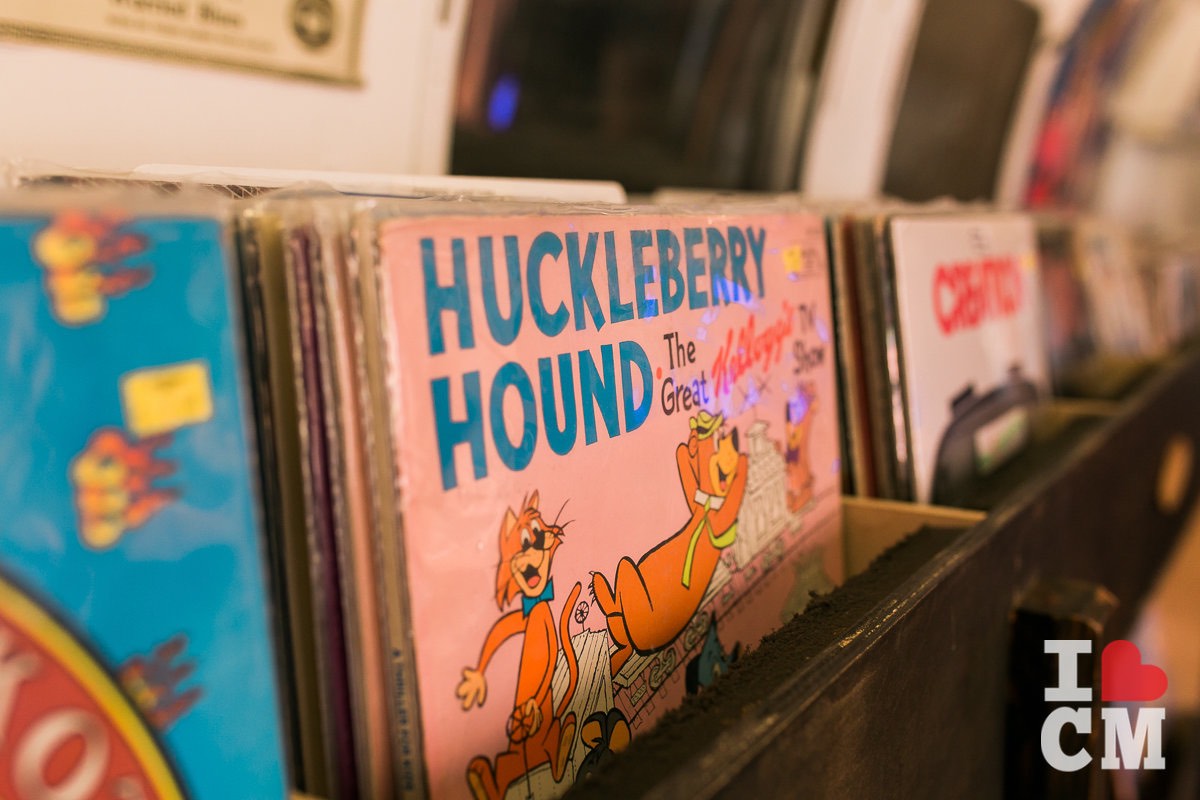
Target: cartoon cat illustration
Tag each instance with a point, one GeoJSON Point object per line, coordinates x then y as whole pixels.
{"type": "Point", "coordinates": [82, 255]}
{"type": "Point", "coordinates": [799, 413]}
{"type": "Point", "coordinates": [538, 733]}
{"type": "Point", "coordinates": [113, 478]}
{"type": "Point", "coordinates": [651, 601]}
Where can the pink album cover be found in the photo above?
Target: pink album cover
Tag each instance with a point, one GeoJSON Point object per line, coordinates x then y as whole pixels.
{"type": "Point", "coordinates": [618, 468]}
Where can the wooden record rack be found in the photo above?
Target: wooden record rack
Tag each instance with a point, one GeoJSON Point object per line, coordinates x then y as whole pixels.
{"type": "Point", "coordinates": [916, 698]}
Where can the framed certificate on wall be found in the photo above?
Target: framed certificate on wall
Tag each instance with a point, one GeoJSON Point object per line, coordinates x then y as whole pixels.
{"type": "Point", "coordinates": [311, 39]}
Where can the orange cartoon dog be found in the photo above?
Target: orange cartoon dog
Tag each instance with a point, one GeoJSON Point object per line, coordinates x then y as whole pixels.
{"type": "Point", "coordinates": [538, 733]}
{"type": "Point", "coordinates": [652, 601]}
{"type": "Point", "coordinates": [800, 412]}
{"type": "Point", "coordinates": [113, 480]}
{"type": "Point", "coordinates": [81, 255]}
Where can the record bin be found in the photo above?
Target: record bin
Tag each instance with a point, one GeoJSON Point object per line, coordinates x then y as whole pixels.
{"type": "Point", "coordinates": [918, 686]}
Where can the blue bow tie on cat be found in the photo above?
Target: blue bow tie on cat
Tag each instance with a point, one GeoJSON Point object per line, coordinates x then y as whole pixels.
{"type": "Point", "coordinates": [527, 602]}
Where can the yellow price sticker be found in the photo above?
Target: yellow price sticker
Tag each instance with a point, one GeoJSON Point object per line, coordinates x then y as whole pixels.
{"type": "Point", "coordinates": [163, 399]}
{"type": "Point", "coordinates": [793, 259]}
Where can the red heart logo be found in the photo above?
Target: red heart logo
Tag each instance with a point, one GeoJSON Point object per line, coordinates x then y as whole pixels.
{"type": "Point", "coordinates": [1124, 678]}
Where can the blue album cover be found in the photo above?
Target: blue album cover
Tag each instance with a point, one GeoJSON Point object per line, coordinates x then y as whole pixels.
{"type": "Point", "coordinates": [134, 619]}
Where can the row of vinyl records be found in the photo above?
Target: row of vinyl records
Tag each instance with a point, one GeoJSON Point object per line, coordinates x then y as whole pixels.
{"type": "Point", "coordinates": [371, 497]}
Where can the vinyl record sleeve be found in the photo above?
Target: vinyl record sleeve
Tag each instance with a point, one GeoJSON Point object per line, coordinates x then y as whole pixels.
{"type": "Point", "coordinates": [1121, 318]}
{"type": "Point", "coordinates": [300, 246]}
{"type": "Point", "coordinates": [269, 313]}
{"type": "Point", "coordinates": [615, 465]}
{"type": "Point", "coordinates": [350, 495]}
{"type": "Point", "coordinates": [858, 469]}
{"type": "Point", "coordinates": [1091, 308]}
{"type": "Point", "coordinates": [299, 283]}
{"type": "Point", "coordinates": [1176, 298]}
{"type": "Point", "coordinates": [1066, 310]}
{"type": "Point", "coordinates": [885, 402]}
{"type": "Point", "coordinates": [131, 503]}
{"type": "Point", "coordinates": [967, 298]}
{"type": "Point", "coordinates": [253, 252]}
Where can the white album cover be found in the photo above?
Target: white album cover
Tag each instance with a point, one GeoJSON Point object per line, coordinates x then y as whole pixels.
{"type": "Point", "coordinates": [968, 308]}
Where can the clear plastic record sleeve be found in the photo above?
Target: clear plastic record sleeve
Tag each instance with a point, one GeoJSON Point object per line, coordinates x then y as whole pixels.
{"type": "Point", "coordinates": [308, 349]}
{"type": "Point", "coordinates": [971, 357]}
{"type": "Point", "coordinates": [292, 268]}
{"type": "Point", "coordinates": [605, 460]}
{"type": "Point", "coordinates": [250, 247]}
{"type": "Point", "coordinates": [269, 315]}
{"type": "Point", "coordinates": [133, 603]}
{"type": "Point", "coordinates": [375, 388]}
{"type": "Point", "coordinates": [249, 182]}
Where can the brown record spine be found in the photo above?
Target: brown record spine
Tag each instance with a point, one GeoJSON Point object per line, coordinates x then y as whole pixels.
{"type": "Point", "coordinates": [897, 387]}
{"type": "Point", "coordinates": [855, 417]}
{"type": "Point", "coordinates": [874, 357]}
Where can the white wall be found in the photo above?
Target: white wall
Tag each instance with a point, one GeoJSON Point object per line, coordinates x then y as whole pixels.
{"type": "Point", "coordinates": [91, 109]}
{"type": "Point", "coordinates": [1152, 185]}
{"type": "Point", "coordinates": [1151, 173]}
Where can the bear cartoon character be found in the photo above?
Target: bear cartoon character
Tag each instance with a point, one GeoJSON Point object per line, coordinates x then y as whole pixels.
{"type": "Point", "coordinates": [652, 600]}
{"type": "Point", "coordinates": [799, 415]}
{"type": "Point", "coordinates": [114, 485]}
{"type": "Point", "coordinates": [154, 682]}
{"type": "Point", "coordinates": [83, 256]}
{"type": "Point", "coordinates": [538, 732]}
